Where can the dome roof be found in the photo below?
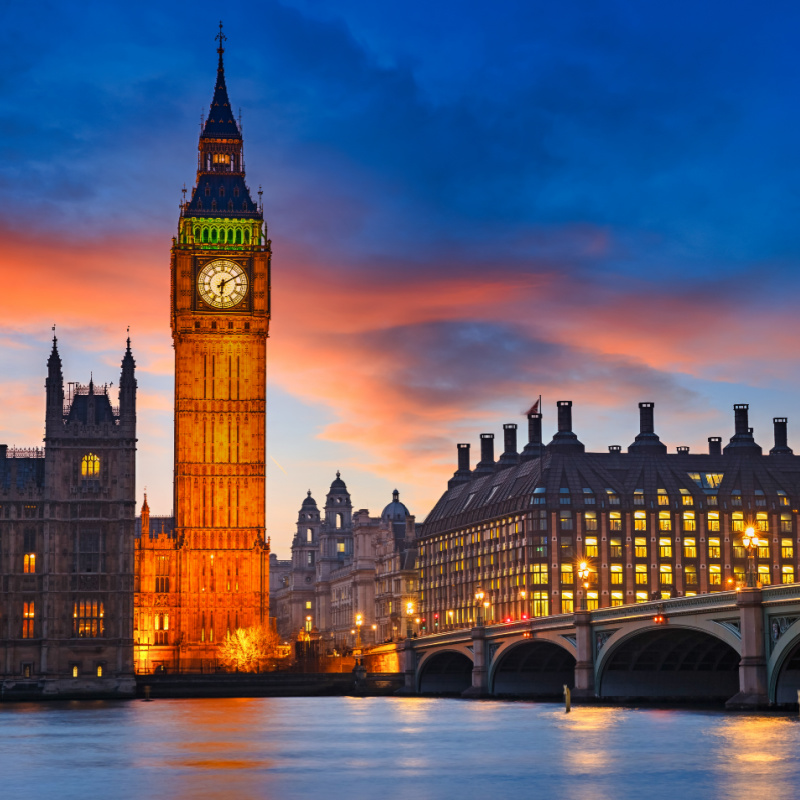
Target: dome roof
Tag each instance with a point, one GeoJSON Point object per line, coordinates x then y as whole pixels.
{"type": "Point", "coordinates": [395, 511]}
{"type": "Point", "coordinates": [309, 501]}
{"type": "Point", "coordinates": [338, 486]}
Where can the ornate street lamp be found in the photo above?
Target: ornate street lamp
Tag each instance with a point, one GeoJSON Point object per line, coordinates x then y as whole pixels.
{"type": "Point", "coordinates": [359, 623]}
{"type": "Point", "coordinates": [751, 542]}
{"type": "Point", "coordinates": [479, 595]}
{"type": "Point", "coordinates": [522, 595]}
{"type": "Point", "coordinates": [583, 575]}
{"type": "Point", "coordinates": [409, 616]}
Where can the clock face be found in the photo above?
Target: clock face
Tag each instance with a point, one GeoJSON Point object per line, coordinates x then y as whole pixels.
{"type": "Point", "coordinates": [222, 284]}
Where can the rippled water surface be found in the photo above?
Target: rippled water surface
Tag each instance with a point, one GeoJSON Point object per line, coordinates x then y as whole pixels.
{"type": "Point", "coordinates": [387, 748]}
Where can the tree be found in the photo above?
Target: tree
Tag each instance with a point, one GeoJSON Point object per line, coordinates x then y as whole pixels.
{"type": "Point", "coordinates": [249, 649]}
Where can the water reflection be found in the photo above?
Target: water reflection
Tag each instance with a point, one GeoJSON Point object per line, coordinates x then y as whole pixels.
{"type": "Point", "coordinates": [391, 748]}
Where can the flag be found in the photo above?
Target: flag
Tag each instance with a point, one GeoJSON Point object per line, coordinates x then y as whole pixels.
{"type": "Point", "coordinates": [534, 409]}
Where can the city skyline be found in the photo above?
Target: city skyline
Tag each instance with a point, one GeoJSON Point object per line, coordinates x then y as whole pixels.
{"type": "Point", "coordinates": [543, 204]}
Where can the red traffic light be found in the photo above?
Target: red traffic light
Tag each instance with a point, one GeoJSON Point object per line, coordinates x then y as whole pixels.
{"type": "Point", "coordinates": [659, 619]}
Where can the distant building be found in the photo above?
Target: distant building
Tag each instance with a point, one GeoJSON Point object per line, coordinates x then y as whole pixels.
{"type": "Point", "coordinates": [650, 524]}
{"type": "Point", "coordinates": [66, 532]}
{"type": "Point", "coordinates": [347, 564]}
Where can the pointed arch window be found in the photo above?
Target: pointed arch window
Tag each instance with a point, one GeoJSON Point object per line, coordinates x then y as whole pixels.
{"type": "Point", "coordinates": [236, 192]}
{"type": "Point", "coordinates": [222, 191]}
{"type": "Point", "coordinates": [230, 205]}
{"type": "Point", "coordinates": [208, 191]}
{"type": "Point", "coordinates": [90, 465]}
{"type": "Point", "coordinates": [213, 205]}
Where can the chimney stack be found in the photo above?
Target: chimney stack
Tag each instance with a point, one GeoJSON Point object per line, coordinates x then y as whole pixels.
{"type": "Point", "coordinates": [781, 443]}
{"type": "Point", "coordinates": [486, 464]}
{"type": "Point", "coordinates": [715, 445]}
{"type": "Point", "coordinates": [510, 455]}
{"type": "Point", "coordinates": [565, 441]}
{"type": "Point", "coordinates": [534, 447]}
{"type": "Point", "coordinates": [742, 442]}
{"type": "Point", "coordinates": [462, 474]}
{"type": "Point", "coordinates": [647, 440]}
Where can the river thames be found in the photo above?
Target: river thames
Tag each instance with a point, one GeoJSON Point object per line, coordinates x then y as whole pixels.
{"type": "Point", "coordinates": [391, 748]}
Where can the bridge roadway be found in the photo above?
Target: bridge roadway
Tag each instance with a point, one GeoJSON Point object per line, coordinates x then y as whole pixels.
{"type": "Point", "coordinates": [742, 647]}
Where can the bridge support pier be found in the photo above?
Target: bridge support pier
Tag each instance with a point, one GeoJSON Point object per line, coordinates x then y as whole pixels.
{"type": "Point", "coordinates": [753, 664]}
{"type": "Point", "coordinates": [409, 669]}
{"type": "Point", "coordinates": [480, 667]}
{"type": "Point", "coordinates": [584, 667]}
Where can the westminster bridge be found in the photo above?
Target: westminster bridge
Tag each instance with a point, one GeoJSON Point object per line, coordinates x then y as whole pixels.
{"type": "Point", "coordinates": [742, 647]}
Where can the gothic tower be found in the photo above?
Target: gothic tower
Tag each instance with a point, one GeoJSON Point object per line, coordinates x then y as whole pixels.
{"type": "Point", "coordinates": [220, 312]}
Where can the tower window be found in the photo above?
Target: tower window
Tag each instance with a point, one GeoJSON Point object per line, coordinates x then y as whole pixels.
{"type": "Point", "coordinates": [213, 205]}
{"type": "Point", "coordinates": [309, 535]}
{"type": "Point", "coordinates": [27, 620]}
{"type": "Point", "coordinates": [208, 191]}
{"type": "Point", "coordinates": [236, 192]}
{"type": "Point", "coordinates": [222, 191]}
{"type": "Point", "coordinates": [90, 465]}
{"type": "Point", "coordinates": [230, 205]}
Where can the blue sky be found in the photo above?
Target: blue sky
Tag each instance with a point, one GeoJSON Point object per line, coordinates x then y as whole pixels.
{"type": "Point", "coordinates": [469, 206]}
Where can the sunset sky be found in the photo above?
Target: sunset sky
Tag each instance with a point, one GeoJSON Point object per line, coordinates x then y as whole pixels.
{"type": "Point", "coordinates": [470, 205]}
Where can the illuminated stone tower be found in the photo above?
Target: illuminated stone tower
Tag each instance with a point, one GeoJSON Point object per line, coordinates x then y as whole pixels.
{"type": "Point", "coordinates": [220, 311]}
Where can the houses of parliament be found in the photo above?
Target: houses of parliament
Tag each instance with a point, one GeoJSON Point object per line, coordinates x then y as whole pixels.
{"type": "Point", "coordinates": [84, 600]}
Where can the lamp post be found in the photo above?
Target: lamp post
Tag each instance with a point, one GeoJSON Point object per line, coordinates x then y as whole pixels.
{"type": "Point", "coordinates": [374, 634]}
{"type": "Point", "coordinates": [751, 543]}
{"type": "Point", "coordinates": [479, 595]}
{"type": "Point", "coordinates": [409, 616]}
{"type": "Point", "coordinates": [359, 623]}
{"type": "Point", "coordinates": [583, 574]}
{"type": "Point", "coordinates": [450, 615]}
{"type": "Point", "coordinates": [522, 595]}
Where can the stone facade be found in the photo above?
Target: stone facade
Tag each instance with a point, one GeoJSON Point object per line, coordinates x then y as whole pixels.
{"type": "Point", "coordinates": [217, 563]}
{"type": "Point", "coordinates": [649, 524]}
{"type": "Point", "coordinates": [345, 564]}
{"type": "Point", "coordinates": [66, 545]}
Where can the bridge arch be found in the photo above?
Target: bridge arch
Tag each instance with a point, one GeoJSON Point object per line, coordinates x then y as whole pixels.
{"type": "Point", "coordinates": [674, 661]}
{"type": "Point", "coordinates": [532, 667]}
{"type": "Point", "coordinates": [446, 671]}
{"type": "Point", "coordinates": [783, 667]}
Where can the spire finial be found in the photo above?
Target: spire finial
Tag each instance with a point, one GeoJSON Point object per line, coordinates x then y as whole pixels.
{"type": "Point", "coordinates": [220, 37]}
{"type": "Point", "coordinates": [54, 335]}
{"type": "Point", "coordinates": [338, 474]}
{"type": "Point", "coordinates": [309, 492]}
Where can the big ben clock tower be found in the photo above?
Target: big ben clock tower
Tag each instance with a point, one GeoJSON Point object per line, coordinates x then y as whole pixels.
{"type": "Point", "coordinates": [220, 312]}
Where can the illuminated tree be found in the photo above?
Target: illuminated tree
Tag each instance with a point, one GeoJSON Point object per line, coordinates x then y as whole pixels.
{"type": "Point", "coordinates": [249, 649]}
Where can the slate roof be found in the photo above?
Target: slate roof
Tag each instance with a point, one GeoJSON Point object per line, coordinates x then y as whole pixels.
{"type": "Point", "coordinates": [510, 491]}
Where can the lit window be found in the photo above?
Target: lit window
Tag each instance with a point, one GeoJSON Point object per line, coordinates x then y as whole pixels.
{"type": "Point", "coordinates": [616, 573]}
{"type": "Point", "coordinates": [714, 550]}
{"type": "Point", "coordinates": [592, 601]}
{"type": "Point", "coordinates": [308, 604]}
{"type": "Point", "coordinates": [90, 466]}
{"type": "Point", "coordinates": [99, 670]}
{"type": "Point", "coordinates": [641, 574]}
{"type": "Point", "coordinates": [686, 498]}
{"type": "Point", "coordinates": [715, 575]}
{"type": "Point", "coordinates": [737, 521]}
{"type": "Point", "coordinates": [29, 562]}
{"type": "Point", "coordinates": [664, 521]}
{"type": "Point", "coordinates": [786, 523]}
{"type": "Point", "coordinates": [763, 550]}
{"type": "Point", "coordinates": [690, 547]}
{"type": "Point", "coordinates": [567, 603]}
{"type": "Point", "coordinates": [566, 574]}
{"type": "Point", "coordinates": [763, 574]}
{"type": "Point", "coordinates": [88, 618]}
{"type": "Point", "coordinates": [591, 547]}
{"type": "Point", "coordinates": [713, 520]}
{"type": "Point", "coordinates": [538, 573]}
{"type": "Point", "coordinates": [640, 547]}
{"type": "Point", "coordinates": [665, 574]}
{"type": "Point", "coordinates": [309, 535]}
{"type": "Point", "coordinates": [617, 599]}
{"type": "Point", "coordinates": [762, 522]}
{"type": "Point", "coordinates": [663, 498]}
{"type": "Point", "coordinates": [641, 597]}
{"type": "Point", "coordinates": [690, 575]}
{"type": "Point", "coordinates": [540, 606]}
{"type": "Point", "coordinates": [787, 574]}
{"type": "Point", "coordinates": [74, 670]}
{"type": "Point", "coordinates": [590, 521]}
{"type": "Point", "coordinates": [689, 521]}
{"type": "Point", "coordinates": [616, 548]}
{"type": "Point", "coordinates": [665, 547]}
{"type": "Point", "coordinates": [27, 620]}
{"type": "Point", "coordinates": [782, 498]}
{"type": "Point", "coordinates": [615, 521]}
{"type": "Point", "coordinates": [340, 546]}
{"type": "Point", "coordinates": [787, 548]}
{"type": "Point", "coordinates": [639, 521]}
